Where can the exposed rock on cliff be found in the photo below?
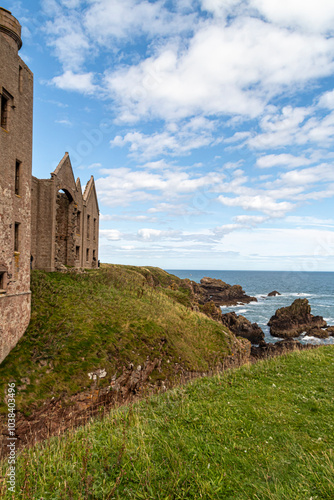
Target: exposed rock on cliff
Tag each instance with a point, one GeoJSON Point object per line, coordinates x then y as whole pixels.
{"type": "Point", "coordinates": [293, 320]}
{"type": "Point", "coordinates": [242, 327]}
{"type": "Point", "coordinates": [219, 292]}
{"type": "Point", "coordinates": [274, 294]}
{"type": "Point", "coordinates": [265, 350]}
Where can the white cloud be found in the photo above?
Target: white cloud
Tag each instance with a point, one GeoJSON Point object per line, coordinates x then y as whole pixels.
{"type": "Point", "coordinates": [327, 100]}
{"type": "Point", "coordinates": [285, 160]}
{"type": "Point", "coordinates": [80, 82]}
{"type": "Point", "coordinates": [177, 140]}
{"type": "Point", "coordinates": [235, 72]}
{"type": "Point", "coordinates": [250, 220]}
{"type": "Point", "coordinates": [314, 17]}
{"type": "Point", "coordinates": [126, 18]}
{"type": "Point", "coordinates": [123, 186]}
{"type": "Point", "coordinates": [111, 234]}
{"type": "Point", "coordinates": [65, 122]}
{"type": "Point", "coordinates": [260, 203]}
{"type": "Point", "coordinates": [312, 175]}
{"type": "Point", "coordinates": [148, 234]}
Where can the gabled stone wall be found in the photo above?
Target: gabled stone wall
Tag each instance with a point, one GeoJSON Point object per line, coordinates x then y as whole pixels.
{"type": "Point", "coordinates": [60, 211]}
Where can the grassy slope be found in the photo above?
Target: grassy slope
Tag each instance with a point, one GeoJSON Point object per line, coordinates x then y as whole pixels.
{"type": "Point", "coordinates": [259, 432]}
{"type": "Point", "coordinates": [107, 319]}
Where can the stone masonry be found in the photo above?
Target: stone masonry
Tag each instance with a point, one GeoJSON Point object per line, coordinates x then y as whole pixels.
{"type": "Point", "coordinates": [65, 221]}
{"type": "Point", "coordinates": [16, 88]}
{"type": "Point", "coordinates": [44, 223]}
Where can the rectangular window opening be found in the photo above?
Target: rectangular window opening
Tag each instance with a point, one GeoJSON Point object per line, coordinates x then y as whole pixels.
{"type": "Point", "coordinates": [4, 111]}
{"type": "Point", "coordinates": [77, 253]}
{"type": "Point", "coordinates": [17, 237]}
{"type": "Point", "coordinates": [94, 230]}
{"type": "Point", "coordinates": [17, 177]}
{"type": "Point", "coordinates": [87, 254]}
{"type": "Point", "coordinates": [88, 223]}
{"type": "Point", "coordinates": [20, 78]}
{"type": "Point", "coordinates": [2, 281]}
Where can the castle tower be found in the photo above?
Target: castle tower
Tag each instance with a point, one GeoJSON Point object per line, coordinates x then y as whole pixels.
{"type": "Point", "coordinates": [16, 109]}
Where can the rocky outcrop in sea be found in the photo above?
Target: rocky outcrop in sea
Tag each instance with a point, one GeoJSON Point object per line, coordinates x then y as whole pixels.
{"type": "Point", "coordinates": [218, 292]}
{"type": "Point", "coordinates": [242, 327]}
{"type": "Point", "coordinates": [293, 320]}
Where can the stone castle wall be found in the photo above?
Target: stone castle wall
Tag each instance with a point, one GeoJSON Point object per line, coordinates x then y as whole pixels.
{"type": "Point", "coordinates": [16, 88]}
{"type": "Point", "coordinates": [43, 222]}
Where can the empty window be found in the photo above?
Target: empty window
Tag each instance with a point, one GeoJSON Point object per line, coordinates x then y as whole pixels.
{"type": "Point", "coordinates": [77, 253]}
{"type": "Point", "coordinates": [2, 281]}
{"type": "Point", "coordinates": [88, 223]}
{"type": "Point", "coordinates": [4, 110]}
{"type": "Point", "coordinates": [94, 255]}
{"type": "Point", "coordinates": [94, 229]}
{"type": "Point", "coordinates": [78, 221]}
{"type": "Point", "coordinates": [17, 237]}
{"type": "Point", "coordinates": [20, 78]}
{"type": "Point", "coordinates": [17, 176]}
{"type": "Point", "coordinates": [87, 254]}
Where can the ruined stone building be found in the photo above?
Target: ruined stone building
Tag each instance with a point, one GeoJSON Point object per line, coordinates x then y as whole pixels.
{"type": "Point", "coordinates": [65, 222]}
{"type": "Point", "coordinates": [44, 224]}
{"type": "Point", "coordinates": [16, 88]}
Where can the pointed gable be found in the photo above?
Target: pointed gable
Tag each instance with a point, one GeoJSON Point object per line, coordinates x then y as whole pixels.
{"type": "Point", "coordinates": [64, 177]}
{"type": "Point", "coordinates": [90, 191]}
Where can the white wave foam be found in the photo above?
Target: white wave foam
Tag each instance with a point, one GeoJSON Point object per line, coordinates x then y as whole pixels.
{"type": "Point", "coordinates": [297, 294]}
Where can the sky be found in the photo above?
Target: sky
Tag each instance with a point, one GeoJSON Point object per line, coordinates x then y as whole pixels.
{"type": "Point", "coordinates": [208, 125]}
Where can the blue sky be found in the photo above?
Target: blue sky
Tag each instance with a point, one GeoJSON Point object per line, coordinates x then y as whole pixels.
{"type": "Point", "coordinates": [208, 125]}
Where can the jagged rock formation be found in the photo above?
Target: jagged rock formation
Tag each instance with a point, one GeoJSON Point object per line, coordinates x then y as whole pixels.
{"type": "Point", "coordinates": [293, 320]}
{"type": "Point", "coordinates": [274, 294]}
{"type": "Point", "coordinates": [242, 327]}
{"type": "Point", "coordinates": [218, 292]}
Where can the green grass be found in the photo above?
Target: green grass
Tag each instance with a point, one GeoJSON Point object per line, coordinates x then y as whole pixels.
{"type": "Point", "coordinates": [107, 319]}
{"type": "Point", "coordinates": [261, 432]}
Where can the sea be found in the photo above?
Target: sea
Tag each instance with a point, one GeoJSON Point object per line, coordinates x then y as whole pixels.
{"type": "Point", "coordinates": [317, 287]}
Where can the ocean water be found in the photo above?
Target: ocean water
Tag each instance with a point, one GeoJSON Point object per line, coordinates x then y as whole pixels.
{"type": "Point", "coordinates": [317, 287]}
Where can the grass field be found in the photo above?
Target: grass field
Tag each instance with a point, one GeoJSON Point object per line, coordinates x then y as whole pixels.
{"type": "Point", "coordinates": [263, 431]}
{"type": "Point", "coordinates": [107, 319]}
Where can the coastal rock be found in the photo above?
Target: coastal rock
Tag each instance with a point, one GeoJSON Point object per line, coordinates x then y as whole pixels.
{"type": "Point", "coordinates": [242, 327]}
{"type": "Point", "coordinates": [222, 294]}
{"type": "Point", "coordinates": [265, 350]}
{"type": "Point", "coordinates": [293, 320]}
{"type": "Point", "coordinates": [274, 294]}
{"type": "Point", "coordinates": [318, 333]}
{"type": "Point", "coordinates": [330, 330]}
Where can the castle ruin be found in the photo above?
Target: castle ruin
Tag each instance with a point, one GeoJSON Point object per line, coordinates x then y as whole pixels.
{"type": "Point", "coordinates": [44, 223]}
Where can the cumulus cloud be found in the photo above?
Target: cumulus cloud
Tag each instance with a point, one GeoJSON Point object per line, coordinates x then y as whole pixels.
{"type": "Point", "coordinates": [175, 140]}
{"type": "Point", "coordinates": [80, 82]}
{"type": "Point", "coordinates": [123, 186]}
{"type": "Point", "coordinates": [227, 64]}
{"type": "Point", "coordinates": [285, 160]}
{"type": "Point", "coordinates": [260, 203]}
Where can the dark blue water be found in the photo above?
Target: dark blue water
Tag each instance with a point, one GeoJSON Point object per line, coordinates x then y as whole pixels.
{"type": "Point", "coordinates": [318, 288]}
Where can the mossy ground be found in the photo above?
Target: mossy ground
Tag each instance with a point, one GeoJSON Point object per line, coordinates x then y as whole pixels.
{"type": "Point", "coordinates": [260, 432]}
{"type": "Point", "coordinates": [107, 319]}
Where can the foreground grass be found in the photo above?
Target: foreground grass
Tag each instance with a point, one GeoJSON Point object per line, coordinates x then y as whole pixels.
{"type": "Point", "coordinates": [258, 432]}
{"type": "Point", "coordinates": [107, 319]}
